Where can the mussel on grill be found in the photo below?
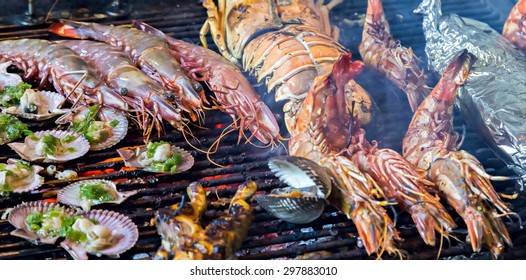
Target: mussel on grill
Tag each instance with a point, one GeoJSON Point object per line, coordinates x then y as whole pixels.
{"type": "Point", "coordinates": [304, 199]}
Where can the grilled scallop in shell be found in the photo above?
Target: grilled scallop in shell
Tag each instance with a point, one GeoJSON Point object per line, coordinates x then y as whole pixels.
{"type": "Point", "coordinates": [103, 127]}
{"type": "Point", "coordinates": [18, 218]}
{"type": "Point", "coordinates": [304, 199]}
{"type": "Point", "coordinates": [20, 177]}
{"type": "Point", "coordinates": [72, 194]}
{"type": "Point", "coordinates": [38, 105]}
{"type": "Point", "coordinates": [138, 158]}
{"type": "Point", "coordinates": [52, 146]}
{"type": "Point", "coordinates": [112, 234]}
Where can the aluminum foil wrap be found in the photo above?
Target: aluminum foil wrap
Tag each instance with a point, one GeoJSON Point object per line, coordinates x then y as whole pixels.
{"type": "Point", "coordinates": [493, 99]}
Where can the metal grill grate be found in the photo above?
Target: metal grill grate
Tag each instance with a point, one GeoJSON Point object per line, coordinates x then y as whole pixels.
{"type": "Point", "coordinates": [268, 238]}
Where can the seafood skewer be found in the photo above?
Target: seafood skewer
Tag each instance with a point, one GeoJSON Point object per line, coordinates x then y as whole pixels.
{"type": "Point", "coordinates": [150, 53]}
{"type": "Point", "coordinates": [233, 92]}
{"type": "Point", "coordinates": [431, 145]}
{"type": "Point", "coordinates": [184, 238]}
{"type": "Point", "coordinates": [319, 135]}
{"type": "Point", "coordinates": [515, 28]}
{"type": "Point", "coordinates": [52, 63]}
{"type": "Point", "coordinates": [382, 52]}
{"type": "Point", "coordinates": [122, 75]}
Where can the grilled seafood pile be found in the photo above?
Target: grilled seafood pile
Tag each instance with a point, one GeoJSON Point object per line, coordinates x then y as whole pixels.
{"type": "Point", "coordinates": [184, 238]}
{"type": "Point", "coordinates": [431, 145]}
{"type": "Point", "coordinates": [285, 43]}
{"type": "Point", "coordinates": [177, 68]}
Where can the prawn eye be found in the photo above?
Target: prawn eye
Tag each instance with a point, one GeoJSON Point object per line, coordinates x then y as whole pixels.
{"type": "Point", "coordinates": [124, 91]}
{"type": "Point", "coordinates": [198, 87]}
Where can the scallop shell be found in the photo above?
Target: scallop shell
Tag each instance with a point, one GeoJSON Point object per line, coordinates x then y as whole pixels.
{"type": "Point", "coordinates": [48, 109]}
{"type": "Point", "coordinates": [70, 195]}
{"type": "Point", "coordinates": [17, 218]}
{"type": "Point", "coordinates": [310, 183]}
{"type": "Point", "coordinates": [29, 183]}
{"type": "Point", "coordinates": [106, 114]}
{"type": "Point", "coordinates": [26, 150]}
{"type": "Point", "coordinates": [4, 138]}
{"type": "Point", "coordinates": [125, 234]}
{"type": "Point", "coordinates": [131, 155]}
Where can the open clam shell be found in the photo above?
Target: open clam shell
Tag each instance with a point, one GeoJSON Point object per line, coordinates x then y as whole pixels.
{"type": "Point", "coordinates": [49, 107]}
{"type": "Point", "coordinates": [292, 209]}
{"type": "Point", "coordinates": [6, 78]}
{"type": "Point", "coordinates": [303, 200]}
{"type": "Point", "coordinates": [107, 115]}
{"type": "Point", "coordinates": [131, 159]}
{"type": "Point", "coordinates": [17, 218]}
{"type": "Point", "coordinates": [124, 231]}
{"type": "Point", "coordinates": [26, 150]}
{"type": "Point", "coordinates": [31, 182]}
{"type": "Point", "coordinates": [70, 195]}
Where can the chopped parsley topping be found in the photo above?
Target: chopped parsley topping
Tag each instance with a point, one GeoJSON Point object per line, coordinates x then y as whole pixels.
{"type": "Point", "coordinates": [170, 165]}
{"type": "Point", "coordinates": [55, 223]}
{"type": "Point", "coordinates": [95, 192]}
{"type": "Point", "coordinates": [50, 144]}
{"type": "Point", "coordinates": [13, 127]}
{"type": "Point", "coordinates": [114, 123]}
{"type": "Point", "coordinates": [92, 128]}
{"type": "Point", "coordinates": [11, 95]}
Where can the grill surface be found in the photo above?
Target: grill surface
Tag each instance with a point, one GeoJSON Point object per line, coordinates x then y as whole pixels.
{"type": "Point", "coordinates": [332, 234]}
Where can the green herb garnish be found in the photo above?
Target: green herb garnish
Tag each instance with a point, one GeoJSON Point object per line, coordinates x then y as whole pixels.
{"type": "Point", "coordinates": [95, 192]}
{"type": "Point", "coordinates": [114, 123]}
{"type": "Point", "coordinates": [11, 95]}
{"type": "Point", "coordinates": [13, 127]}
{"type": "Point", "coordinates": [23, 165]}
{"type": "Point", "coordinates": [50, 144]}
{"type": "Point", "coordinates": [68, 138]}
{"type": "Point", "coordinates": [170, 165]}
{"type": "Point", "coordinates": [152, 147]}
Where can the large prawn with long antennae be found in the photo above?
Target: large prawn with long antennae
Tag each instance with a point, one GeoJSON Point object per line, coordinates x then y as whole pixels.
{"type": "Point", "coordinates": [233, 92]}
{"type": "Point", "coordinates": [319, 134]}
{"type": "Point", "coordinates": [150, 53]}
{"type": "Point", "coordinates": [382, 52]}
{"type": "Point", "coordinates": [136, 87]}
{"type": "Point", "coordinates": [58, 65]}
{"type": "Point", "coordinates": [431, 145]}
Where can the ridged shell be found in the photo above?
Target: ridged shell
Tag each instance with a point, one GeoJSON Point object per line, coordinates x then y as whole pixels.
{"type": "Point", "coordinates": [130, 157]}
{"type": "Point", "coordinates": [302, 174]}
{"type": "Point", "coordinates": [125, 234]}
{"type": "Point", "coordinates": [70, 195]}
{"type": "Point", "coordinates": [6, 78]}
{"type": "Point", "coordinates": [17, 218]}
{"type": "Point", "coordinates": [292, 209]}
{"type": "Point", "coordinates": [26, 150]}
{"type": "Point", "coordinates": [31, 183]}
{"type": "Point", "coordinates": [105, 114]}
{"type": "Point", "coordinates": [48, 109]}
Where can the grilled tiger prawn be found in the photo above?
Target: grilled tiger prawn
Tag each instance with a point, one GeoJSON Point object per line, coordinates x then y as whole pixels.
{"type": "Point", "coordinates": [70, 75]}
{"type": "Point", "coordinates": [184, 238]}
{"type": "Point", "coordinates": [286, 43]}
{"type": "Point", "coordinates": [319, 134]}
{"type": "Point", "coordinates": [431, 145]}
{"type": "Point", "coordinates": [150, 53]}
{"type": "Point", "coordinates": [233, 92]}
{"type": "Point", "coordinates": [382, 52]}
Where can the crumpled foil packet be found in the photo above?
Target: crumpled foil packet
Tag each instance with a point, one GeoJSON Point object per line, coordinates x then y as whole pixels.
{"type": "Point", "coordinates": [493, 99]}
